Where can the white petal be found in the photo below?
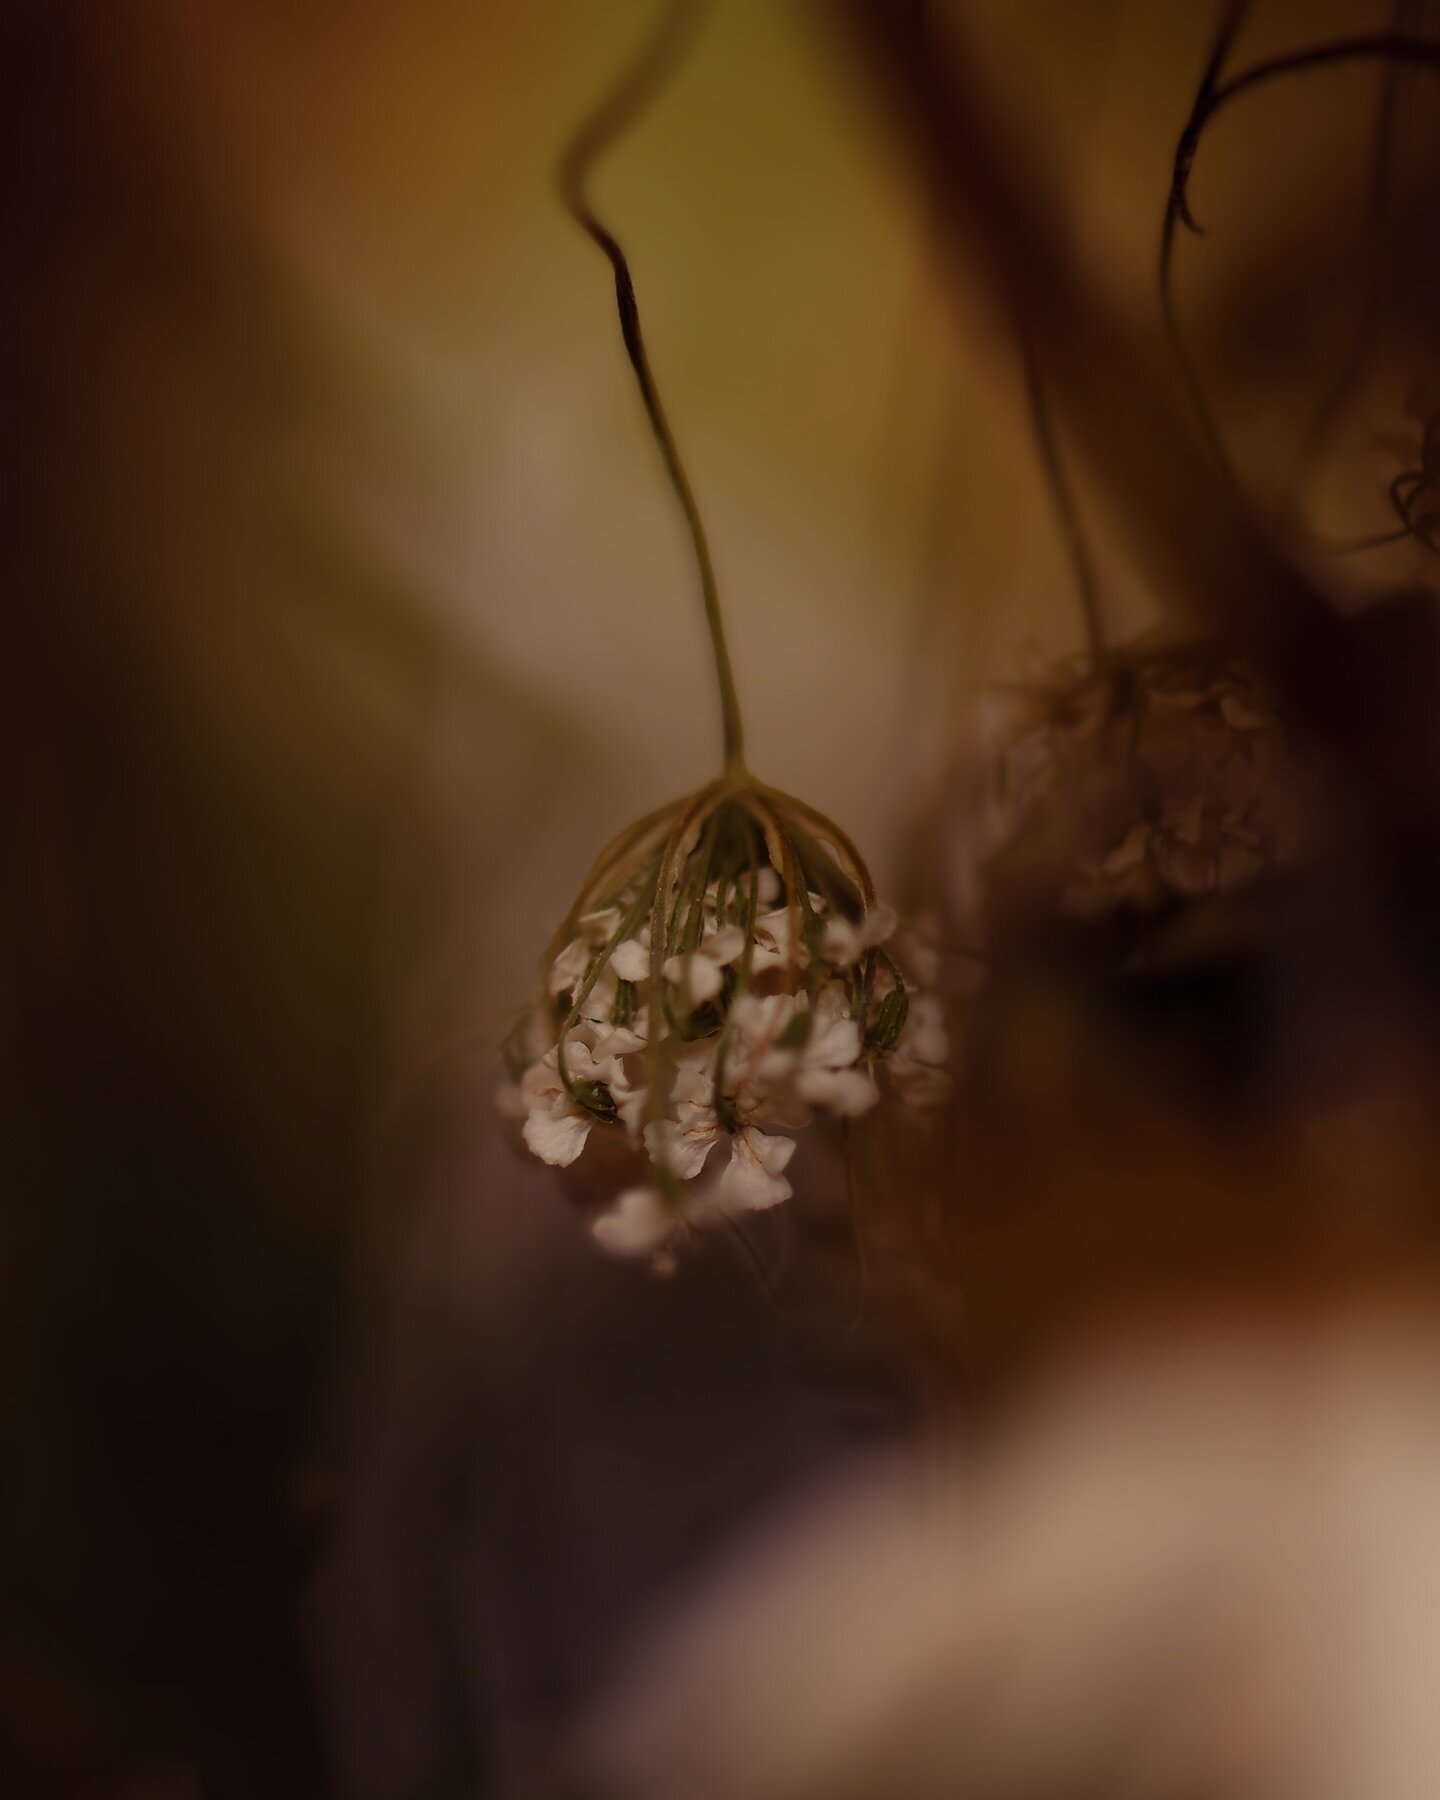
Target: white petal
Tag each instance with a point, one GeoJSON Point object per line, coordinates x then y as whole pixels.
{"type": "Point", "coordinates": [568, 968]}
{"type": "Point", "coordinates": [694, 1082]}
{"type": "Point", "coordinates": [878, 925]}
{"type": "Point", "coordinates": [779, 1105]}
{"type": "Point", "coordinates": [631, 1108]}
{"type": "Point", "coordinates": [833, 1001]}
{"type": "Point", "coordinates": [682, 1149]}
{"type": "Point", "coordinates": [840, 944]}
{"type": "Point", "coordinates": [599, 926]}
{"type": "Point", "coordinates": [846, 1092]}
{"type": "Point", "coordinates": [773, 1065]}
{"type": "Point", "coordinates": [585, 1064]}
{"type": "Point", "coordinates": [617, 1040]}
{"type": "Point", "coordinates": [925, 1038]}
{"type": "Point", "coordinates": [845, 943]}
{"type": "Point", "coordinates": [598, 1007]}
{"type": "Point", "coordinates": [924, 961]}
{"type": "Point", "coordinates": [772, 1153]}
{"type": "Point", "coordinates": [774, 939]}
{"type": "Point", "coordinates": [540, 1082]}
{"type": "Point", "coordinates": [510, 1101]}
{"type": "Point", "coordinates": [834, 1045]}
{"type": "Point", "coordinates": [724, 945]}
{"type": "Point", "coordinates": [557, 1135]}
{"type": "Point", "coordinates": [698, 978]}
{"type": "Point", "coordinates": [706, 979]}
{"type": "Point", "coordinates": [762, 1017]}
{"type": "Point", "coordinates": [631, 960]}
{"type": "Point", "coordinates": [637, 1224]}
{"type": "Point", "coordinates": [751, 1180]}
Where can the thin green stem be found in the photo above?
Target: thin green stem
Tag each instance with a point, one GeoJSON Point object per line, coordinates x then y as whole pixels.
{"type": "Point", "coordinates": [827, 828]}
{"type": "Point", "coordinates": [614, 115]}
{"type": "Point", "coordinates": [722, 1104]}
{"type": "Point", "coordinates": [598, 963]}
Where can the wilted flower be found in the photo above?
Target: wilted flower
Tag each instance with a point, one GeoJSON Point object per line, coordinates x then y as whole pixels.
{"type": "Point", "coordinates": [725, 973]}
{"type": "Point", "coordinates": [1162, 776]}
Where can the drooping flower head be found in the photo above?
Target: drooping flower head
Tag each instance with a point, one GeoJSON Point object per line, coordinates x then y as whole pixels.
{"type": "Point", "coordinates": [725, 973]}
{"type": "Point", "coordinates": [726, 969]}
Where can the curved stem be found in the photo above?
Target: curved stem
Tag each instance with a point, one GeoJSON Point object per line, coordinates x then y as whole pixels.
{"type": "Point", "coordinates": [1232, 20]}
{"type": "Point", "coordinates": [1386, 46]}
{"type": "Point", "coordinates": [1382, 156]}
{"type": "Point", "coordinates": [1177, 211]}
{"type": "Point", "coordinates": [1378, 542]}
{"type": "Point", "coordinates": [781, 851]}
{"type": "Point", "coordinates": [827, 828]}
{"type": "Point", "coordinates": [660, 1072]}
{"type": "Point", "coordinates": [1390, 47]}
{"type": "Point", "coordinates": [616, 112]}
{"type": "Point", "coordinates": [617, 854]}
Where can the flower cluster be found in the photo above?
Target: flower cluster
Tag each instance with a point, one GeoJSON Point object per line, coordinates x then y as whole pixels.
{"type": "Point", "coordinates": [1162, 777]}
{"type": "Point", "coordinates": [726, 974]}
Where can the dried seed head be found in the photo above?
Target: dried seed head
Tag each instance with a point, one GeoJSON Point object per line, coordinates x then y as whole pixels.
{"type": "Point", "coordinates": [725, 973]}
{"type": "Point", "coordinates": [1162, 778]}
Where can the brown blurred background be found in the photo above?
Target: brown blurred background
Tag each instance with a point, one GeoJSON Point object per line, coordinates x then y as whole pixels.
{"type": "Point", "coordinates": [348, 616]}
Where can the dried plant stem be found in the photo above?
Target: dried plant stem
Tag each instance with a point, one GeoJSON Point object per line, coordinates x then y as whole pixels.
{"type": "Point", "coordinates": [1362, 341]}
{"type": "Point", "coordinates": [1394, 49]}
{"type": "Point", "coordinates": [1380, 46]}
{"type": "Point", "coordinates": [1231, 21]}
{"type": "Point", "coordinates": [636, 88]}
